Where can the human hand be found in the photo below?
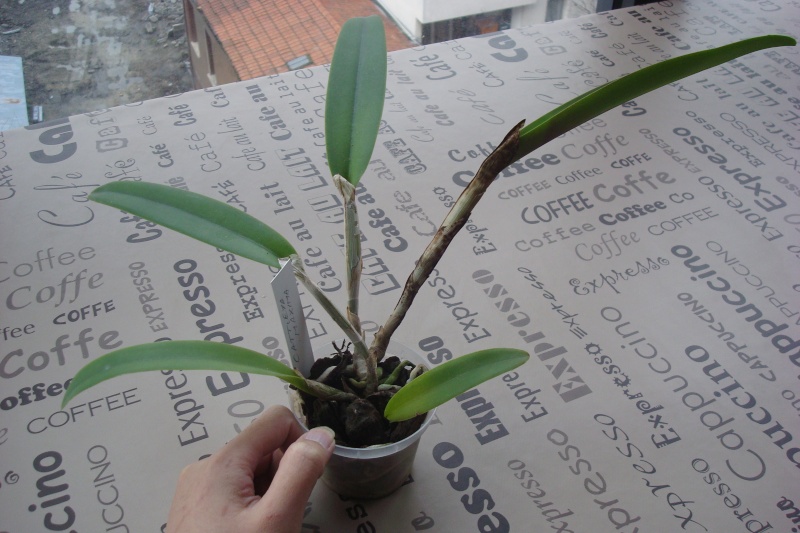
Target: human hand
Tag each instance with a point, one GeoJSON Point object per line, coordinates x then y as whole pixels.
{"type": "Point", "coordinates": [259, 482]}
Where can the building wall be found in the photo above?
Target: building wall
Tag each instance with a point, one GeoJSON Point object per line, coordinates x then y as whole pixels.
{"type": "Point", "coordinates": [407, 14]}
{"type": "Point", "coordinates": [528, 15]}
{"type": "Point", "coordinates": [211, 65]}
{"type": "Point", "coordinates": [436, 10]}
{"type": "Point", "coordinates": [410, 15]}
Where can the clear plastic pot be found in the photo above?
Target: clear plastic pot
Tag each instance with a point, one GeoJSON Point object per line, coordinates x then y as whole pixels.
{"type": "Point", "coordinates": [376, 471]}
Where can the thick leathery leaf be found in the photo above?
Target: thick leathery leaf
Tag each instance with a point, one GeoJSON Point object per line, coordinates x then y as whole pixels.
{"type": "Point", "coordinates": [178, 355]}
{"type": "Point", "coordinates": [448, 380]}
{"type": "Point", "coordinates": [354, 101]}
{"type": "Point", "coordinates": [597, 101]}
{"type": "Point", "coordinates": [202, 218]}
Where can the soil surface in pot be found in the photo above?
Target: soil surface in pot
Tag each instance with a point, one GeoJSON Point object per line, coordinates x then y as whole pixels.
{"type": "Point", "coordinates": [357, 423]}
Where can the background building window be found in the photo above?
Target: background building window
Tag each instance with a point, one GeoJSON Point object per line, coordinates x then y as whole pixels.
{"type": "Point", "coordinates": [446, 30]}
{"type": "Point", "coordinates": [212, 73]}
{"type": "Point", "coordinates": [191, 25]}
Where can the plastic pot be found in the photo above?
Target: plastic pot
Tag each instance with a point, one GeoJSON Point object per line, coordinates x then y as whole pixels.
{"type": "Point", "coordinates": [375, 471]}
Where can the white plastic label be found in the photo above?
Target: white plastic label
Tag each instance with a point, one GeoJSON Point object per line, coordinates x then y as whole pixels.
{"type": "Point", "coordinates": [290, 310]}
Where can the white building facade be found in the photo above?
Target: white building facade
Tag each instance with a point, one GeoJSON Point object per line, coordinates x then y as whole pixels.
{"type": "Point", "coordinates": [429, 21]}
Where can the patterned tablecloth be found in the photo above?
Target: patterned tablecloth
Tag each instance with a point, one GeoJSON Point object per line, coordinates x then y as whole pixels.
{"type": "Point", "coordinates": [648, 260]}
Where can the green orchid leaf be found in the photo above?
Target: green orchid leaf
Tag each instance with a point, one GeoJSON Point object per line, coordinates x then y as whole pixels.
{"type": "Point", "coordinates": [597, 101]}
{"type": "Point", "coordinates": [179, 355]}
{"type": "Point", "coordinates": [354, 101]}
{"type": "Point", "coordinates": [448, 380]}
{"type": "Point", "coordinates": [202, 218]}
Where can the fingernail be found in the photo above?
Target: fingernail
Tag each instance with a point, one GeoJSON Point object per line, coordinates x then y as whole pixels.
{"type": "Point", "coordinates": [324, 436]}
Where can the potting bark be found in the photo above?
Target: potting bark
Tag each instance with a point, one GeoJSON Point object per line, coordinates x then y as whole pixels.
{"type": "Point", "coordinates": [358, 423]}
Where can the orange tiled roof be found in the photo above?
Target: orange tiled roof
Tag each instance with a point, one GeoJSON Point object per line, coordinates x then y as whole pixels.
{"type": "Point", "coordinates": [260, 36]}
{"type": "Point", "coordinates": [343, 10]}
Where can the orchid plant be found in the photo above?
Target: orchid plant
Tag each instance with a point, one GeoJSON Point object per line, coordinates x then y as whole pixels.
{"type": "Point", "coordinates": [354, 105]}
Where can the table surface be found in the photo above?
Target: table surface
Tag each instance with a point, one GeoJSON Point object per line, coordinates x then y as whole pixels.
{"type": "Point", "coordinates": [648, 261]}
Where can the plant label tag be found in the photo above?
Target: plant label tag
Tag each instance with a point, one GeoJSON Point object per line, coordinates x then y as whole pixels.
{"type": "Point", "coordinates": [290, 310]}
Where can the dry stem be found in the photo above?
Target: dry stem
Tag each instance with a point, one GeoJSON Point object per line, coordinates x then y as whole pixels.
{"type": "Point", "coordinates": [452, 224]}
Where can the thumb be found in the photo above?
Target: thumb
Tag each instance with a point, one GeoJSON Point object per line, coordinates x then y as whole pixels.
{"type": "Point", "coordinates": [298, 471]}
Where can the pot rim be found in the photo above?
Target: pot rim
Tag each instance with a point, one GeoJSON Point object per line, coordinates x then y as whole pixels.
{"type": "Point", "coordinates": [377, 450]}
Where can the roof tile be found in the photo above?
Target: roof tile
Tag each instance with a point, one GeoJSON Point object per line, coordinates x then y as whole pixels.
{"type": "Point", "coordinates": [261, 36]}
